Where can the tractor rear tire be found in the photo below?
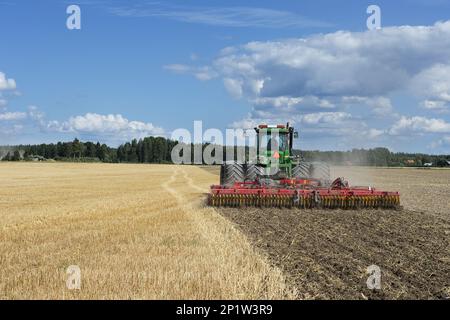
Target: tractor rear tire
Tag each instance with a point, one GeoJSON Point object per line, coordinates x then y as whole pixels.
{"type": "Point", "coordinates": [301, 171]}
{"type": "Point", "coordinates": [230, 173]}
{"type": "Point", "coordinates": [320, 171]}
{"type": "Point", "coordinates": [252, 172]}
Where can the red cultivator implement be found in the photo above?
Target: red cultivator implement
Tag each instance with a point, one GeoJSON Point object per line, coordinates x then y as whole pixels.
{"type": "Point", "coordinates": [302, 193]}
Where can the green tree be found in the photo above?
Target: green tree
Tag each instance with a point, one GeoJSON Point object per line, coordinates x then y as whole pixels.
{"type": "Point", "coordinates": [77, 148]}
{"type": "Point", "coordinates": [16, 156]}
{"type": "Point", "coordinates": [7, 157]}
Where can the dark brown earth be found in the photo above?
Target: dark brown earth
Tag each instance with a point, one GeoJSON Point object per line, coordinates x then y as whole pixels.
{"type": "Point", "coordinates": [325, 254]}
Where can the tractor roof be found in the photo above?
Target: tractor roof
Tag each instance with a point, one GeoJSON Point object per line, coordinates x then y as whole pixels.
{"type": "Point", "coordinates": [280, 128]}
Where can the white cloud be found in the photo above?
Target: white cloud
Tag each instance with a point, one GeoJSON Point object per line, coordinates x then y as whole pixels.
{"type": "Point", "coordinates": [201, 73]}
{"type": "Point", "coordinates": [178, 68]}
{"type": "Point", "coordinates": [443, 143]}
{"type": "Point", "coordinates": [419, 125]}
{"type": "Point", "coordinates": [246, 123]}
{"type": "Point", "coordinates": [434, 85]}
{"type": "Point", "coordinates": [374, 133]}
{"type": "Point", "coordinates": [204, 73]}
{"type": "Point", "coordinates": [337, 70]}
{"type": "Point", "coordinates": [379, 105]}
{"type": "Point", "coordinates": [324, 117]}
{"type": "Point", "coordinates": [310, 120]}
{"type": "Point", "coordinates": [437, 106]}
{"type": "Point", "coordinates": [216, 16]}
{"type": "Point", "coordinates": [330, 83]}
{"type": "Point", "coordinates": [234, 87]}
{"type": "Point", "coordinates": [36, 115]}
{"type": "Point", "coordinates": [106, 125]}
{"type": "Point", "coordinates": [292, 104]}
{"type": "Point", "coordinates": [12, 116]}
{"type": "Point", "coordinates": [112, 129]}
{"type": "Point", "coordinates": [365, 64]}
{"type": "Point", "coordinates": [5, 83]}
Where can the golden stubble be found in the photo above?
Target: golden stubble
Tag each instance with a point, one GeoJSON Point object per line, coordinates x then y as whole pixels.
{"type": "Point", "coordinates": [135, 231]}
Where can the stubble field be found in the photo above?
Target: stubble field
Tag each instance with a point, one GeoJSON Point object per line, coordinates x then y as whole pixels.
{"type": "Point", "coordinates": [143, 231]}
{"type": "Point", "coordinates": [135, 231]}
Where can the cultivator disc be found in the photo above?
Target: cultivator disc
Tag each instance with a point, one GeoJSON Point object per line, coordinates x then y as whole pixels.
{"type": "Point", "coordinates": [302, 194]}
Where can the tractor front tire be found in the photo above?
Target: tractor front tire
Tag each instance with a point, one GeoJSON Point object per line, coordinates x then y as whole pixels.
{"type": "Point", "coordinates": [230, 173]}
{"type": "Point", "coordinates": [253, 171]}
{"type": "Point", "coordinates": [301, 171]}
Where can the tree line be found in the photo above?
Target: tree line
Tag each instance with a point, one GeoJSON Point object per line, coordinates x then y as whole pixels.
{"type": "Point", "coordinates": [382, 157]}
{"type": "Point", "coordinates": [158, 150]}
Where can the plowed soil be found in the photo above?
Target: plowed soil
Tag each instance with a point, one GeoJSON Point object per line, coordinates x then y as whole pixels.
{"type": "Point", "coordinates": [325, 253]}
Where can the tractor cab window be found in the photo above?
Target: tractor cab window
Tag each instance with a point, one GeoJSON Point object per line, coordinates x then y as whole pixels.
{"type": "Point", "coordinates": [273, 142]}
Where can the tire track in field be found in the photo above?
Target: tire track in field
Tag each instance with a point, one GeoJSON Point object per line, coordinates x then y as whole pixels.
{"type": "Point", "coordinates": [178, 195]}
{"type": "Point", "coordinates": [167, 186]}
{"type": "Point", "coordinates": [191, 183]}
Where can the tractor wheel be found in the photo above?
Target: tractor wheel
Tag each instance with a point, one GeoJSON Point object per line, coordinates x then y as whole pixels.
{"type": "Point", "coordinates": [320, 171]}
{"type": "Point", "coordinates": [301, 170]}
{"type": "Point", "coordinates": [252, 172]}
{"type": "Point", "coordinates": [231, 172]}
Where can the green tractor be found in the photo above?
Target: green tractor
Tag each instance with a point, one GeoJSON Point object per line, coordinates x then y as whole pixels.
{"type": "Point", "coordinates": [277, 178]}
{"type": "Point", "coordinates": [274, 161]}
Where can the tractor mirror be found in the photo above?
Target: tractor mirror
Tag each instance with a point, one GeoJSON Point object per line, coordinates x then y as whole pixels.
{"type": "Point", "coordinates": [295, 134]}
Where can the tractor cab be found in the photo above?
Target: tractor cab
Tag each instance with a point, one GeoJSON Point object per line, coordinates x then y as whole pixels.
{"type": "Point", "coordinates": [274, 146]}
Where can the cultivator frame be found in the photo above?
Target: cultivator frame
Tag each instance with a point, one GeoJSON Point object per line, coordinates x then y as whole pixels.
{"type": "Point", "coordinates": [302, 193]}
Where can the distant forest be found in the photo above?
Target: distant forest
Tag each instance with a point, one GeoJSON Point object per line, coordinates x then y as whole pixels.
{"type": "Point", "coordinates": [158, 150]}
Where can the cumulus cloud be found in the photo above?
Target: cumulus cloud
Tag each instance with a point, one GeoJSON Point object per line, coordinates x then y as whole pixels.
{"type": "Point", "coordinates": [12, 116]}
{"type": "Point", "coordinates": [111, 128]}
{"type": "Point", "coordinates": [234, 87]}
{"type": "Point", "coordinates": [105, 125]}
{"type": "Point", "coordinates": [341, 68]}
{"type": "Point", "coordinates": [339, 82]}
{"type": "Point", "coordinates": [324, 117]}
{"type": "Point", "coordinates": [5, 83]}
{"type": "Point", "coordinates": [379, 105]}
{"type": "Point", "coordinates": [318, 125]}
{"type": "Point", "coordinates": [407, 125]}
{"type": "Point", "coordinates": [364, 64]}
{"type": "Point", "coordinates": [434, 85]}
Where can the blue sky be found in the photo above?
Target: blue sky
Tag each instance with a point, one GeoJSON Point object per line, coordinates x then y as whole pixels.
{"type": "Point", "coordinates": [146, 68]}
